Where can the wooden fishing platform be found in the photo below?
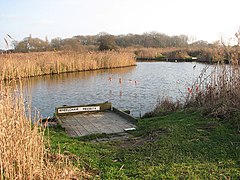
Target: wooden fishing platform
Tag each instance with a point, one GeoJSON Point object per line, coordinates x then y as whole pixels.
{"type": "Point", "coordinates": [93, 119]}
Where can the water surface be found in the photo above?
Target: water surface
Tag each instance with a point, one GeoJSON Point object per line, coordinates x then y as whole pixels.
{"type": "Point", "coordinates": [134, 88]}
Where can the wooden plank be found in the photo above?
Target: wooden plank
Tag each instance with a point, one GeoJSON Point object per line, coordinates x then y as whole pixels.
{"type": "Point", "coordinates": [86, 124]}
{"type": "Point", "coordinates": [125, 115]}
{"type": "Point", "coordinates": [71, 132]}
{"type": "Point", "coordinates": [91, 123]}
{"type": "Point", "coordinates": [64, 110]}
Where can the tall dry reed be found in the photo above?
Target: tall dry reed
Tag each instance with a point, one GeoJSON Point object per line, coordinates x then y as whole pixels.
{"type": "Point", "coordinates": [218, 93]}
{"type": "Point", "coordinates": [36, 64]}
{"type": "Point", "coordinates": [23, 154]}
{"type": "Point", "coordinates": [215, 93]}
{"type": "Point", "coordinates": [206, 54]}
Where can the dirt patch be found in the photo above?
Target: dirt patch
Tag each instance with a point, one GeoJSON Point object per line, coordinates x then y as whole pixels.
{"type": "Point", "coordinates": [208, 126]}
{"type": "Point", "coordinates": [127, 140]}
{"type": "Point", "coordinates": [114, 137]}
{"type": "Point", "coordinates": [152, 136]}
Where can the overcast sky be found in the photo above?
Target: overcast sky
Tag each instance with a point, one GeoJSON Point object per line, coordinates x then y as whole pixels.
{"type": "Point", "coordinates": [202, 19]}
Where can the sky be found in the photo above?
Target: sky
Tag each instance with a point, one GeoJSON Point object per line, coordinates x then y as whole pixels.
{"type": "Point", "coordinates": [207, 20]}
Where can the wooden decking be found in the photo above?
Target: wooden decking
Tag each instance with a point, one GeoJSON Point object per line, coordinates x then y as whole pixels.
{"type": "Point", "coordinates": [86, 123]}
{"type": "Point", "coordinates": [94, 123]}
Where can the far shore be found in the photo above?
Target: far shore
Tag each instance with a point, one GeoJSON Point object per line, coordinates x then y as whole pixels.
{"type": "Point", "coordinates": [22, 65]}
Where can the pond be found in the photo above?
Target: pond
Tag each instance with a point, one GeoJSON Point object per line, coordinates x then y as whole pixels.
{"type": "Point", "coordinates": [135, 88]}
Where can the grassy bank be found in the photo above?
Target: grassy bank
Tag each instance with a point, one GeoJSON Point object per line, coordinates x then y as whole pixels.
{"type": "Point", "coordinates": [176, 146]}
{"type": "Point", "coordinates": [183, 144]}
{"type": "Point", "coordinates": [35, 64]}
{"type": "Point", "coordinates": [24, 152]}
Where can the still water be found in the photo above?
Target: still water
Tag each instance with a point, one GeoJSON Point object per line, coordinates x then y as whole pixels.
{"type": "Point", "coordinates": [134, 88]}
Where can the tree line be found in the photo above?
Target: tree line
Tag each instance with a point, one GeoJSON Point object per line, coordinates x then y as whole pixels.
{"type": "Point", "coordinates": [103, 41]}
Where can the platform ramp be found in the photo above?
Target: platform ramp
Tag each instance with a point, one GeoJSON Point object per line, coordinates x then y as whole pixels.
{"type": "Point", "coordinates": [90, 119]}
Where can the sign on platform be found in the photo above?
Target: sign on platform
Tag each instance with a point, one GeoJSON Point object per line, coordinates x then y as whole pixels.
{"type": "Point", "coordinates": [78, 109]}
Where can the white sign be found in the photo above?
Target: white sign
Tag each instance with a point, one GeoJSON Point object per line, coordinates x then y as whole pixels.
{"type": "Point", "coordinates": [78, 109]}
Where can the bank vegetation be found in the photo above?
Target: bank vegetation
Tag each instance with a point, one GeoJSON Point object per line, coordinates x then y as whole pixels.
{"type": "Point", "coordinates": [166, 147]}
{"type": "Point", "coordinates": [21, 65]}
{"type": "Point", "coordinates": [147, 45]}
{"type": "Point", "coordinates": [24, 150]}
{"type": "Point", "coordinates": [215, 95]}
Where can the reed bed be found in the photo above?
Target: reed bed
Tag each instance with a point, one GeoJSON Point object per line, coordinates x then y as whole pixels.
{"type": "Point", "coordinates": [215, 94]}
{"type": "Point", "coordinates": [43, 63]}
{"type": "Point", "coordinates": [209, 54]}
{"type": "Point", "coordinates": [23, 151]}
{"type": "Point", "coordinates": [154, 52]}
{"type": "Point", "coordinates": [218, 94]}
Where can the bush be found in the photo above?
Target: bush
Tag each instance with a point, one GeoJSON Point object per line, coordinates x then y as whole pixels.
{"type": "Point", "coordinates": [218, 95]}
{"type": "Point", "coordinates": [164, 106]}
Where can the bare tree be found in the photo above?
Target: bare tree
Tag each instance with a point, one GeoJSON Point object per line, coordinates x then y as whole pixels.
{"type": "Point", "coordinates": [232, 52]}
{"type": "Point", "coordinates": [238, 36]}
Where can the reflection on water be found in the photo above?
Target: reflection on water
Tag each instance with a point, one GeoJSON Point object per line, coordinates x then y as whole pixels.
{"type": "Point", "coordinates": [135, 88]}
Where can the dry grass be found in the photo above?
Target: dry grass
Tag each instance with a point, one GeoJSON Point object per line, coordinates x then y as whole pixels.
{"type": "Point", "coordinates": [36, 64]}
{"type": "Point", "coordinates": [164, 106]}
{"type": "Point", "coordinates": [153, 52]}
{"type": "Point", "coordinates": [208, 54]}
{"type": "Point", "coordinates": [166, 52]}
{"type": "Point", "coordinates": [218, 93]}
{"type": "Point", "coordinates": [23, 154]}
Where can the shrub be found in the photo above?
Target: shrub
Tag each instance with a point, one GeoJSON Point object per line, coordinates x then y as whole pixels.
{"type": "Point", "coordinates": [218, 94]}
{"type": "Point", "coordinates": [164, 106]}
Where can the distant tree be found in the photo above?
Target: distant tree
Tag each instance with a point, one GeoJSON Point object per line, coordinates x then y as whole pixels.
{"type": "Point", "coordinates": [152, 39]}
{"type": "Point", "coordinates": [122, 41]}
{"type": "Point", "coordinates": [30, 44]}
{"type": "Point", "coordinates": [238, 46]}
{"type": "Point", "coordinates": [191, 39]}
{"type": "Point", "coordinates": [107, 42]}
{"type": "Point", "coordinates": [47, 44]}
{"type": "Point", "coordinates": [55, 44]}
{"type": "Point", "coordinates": [71, 44]}
{"type": "Point", "coordinates": [232, 52]}
{"type": "Point", "coordinates": [22, 46]}
{"type": "Point", "coordinates": [87, 40]}
{"type": "Point", "coordinates": [200, 44]}
{"type": "Point", "coordinates": [237, 34]}
{"type": "Point", "coordinates": [179, 41]}
{"type": "Point", "coordinates": [14, 44]}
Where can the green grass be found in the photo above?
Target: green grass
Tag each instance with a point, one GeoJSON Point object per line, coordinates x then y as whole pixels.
{"type": "Point", "coordinates": [182, 145]}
